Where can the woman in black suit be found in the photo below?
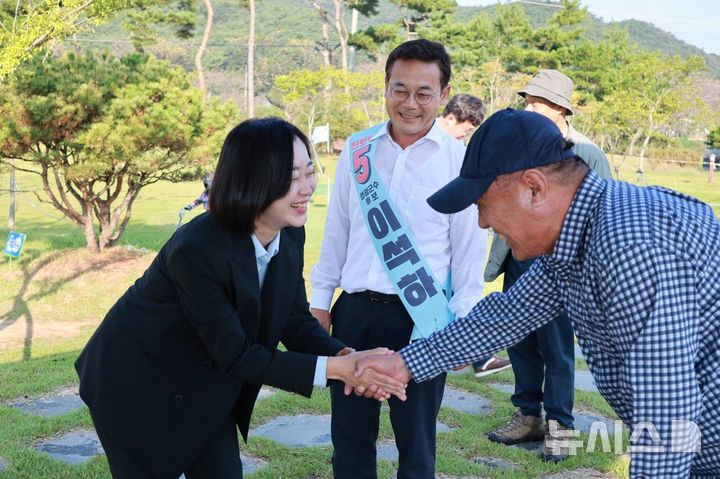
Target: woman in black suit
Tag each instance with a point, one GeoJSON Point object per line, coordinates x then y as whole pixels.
{"type": "Point", "coordinates": [177, 363]}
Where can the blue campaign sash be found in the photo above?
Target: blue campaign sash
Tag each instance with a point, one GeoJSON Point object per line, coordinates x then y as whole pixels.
{"type": "Point", "coordinates": [394, 244]}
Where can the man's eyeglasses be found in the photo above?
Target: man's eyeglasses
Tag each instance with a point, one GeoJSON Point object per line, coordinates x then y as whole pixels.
{"type": "Point", "coordinates": [421, 97]}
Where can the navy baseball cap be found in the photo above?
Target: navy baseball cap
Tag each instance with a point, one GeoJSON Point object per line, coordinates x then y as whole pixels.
{"type": "Point", "coordinates": [509, 141]}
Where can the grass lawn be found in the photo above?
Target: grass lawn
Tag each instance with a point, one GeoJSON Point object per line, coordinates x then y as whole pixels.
{"type": "Point", "coordinates": [55, 295]}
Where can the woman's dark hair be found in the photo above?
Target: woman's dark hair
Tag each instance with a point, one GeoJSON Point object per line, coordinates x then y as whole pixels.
{"type": "Point", "coordinates": [254, 169]}
{"type": "Point", "coordinates": [425, 51]}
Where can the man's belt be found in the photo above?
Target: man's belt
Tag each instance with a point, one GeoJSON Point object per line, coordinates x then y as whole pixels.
{"type": "Point", "coordinates": [375, 297]}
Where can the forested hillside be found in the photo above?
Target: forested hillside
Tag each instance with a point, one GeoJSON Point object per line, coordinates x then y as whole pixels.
{"type": "Point", "coordinates": [287, 32]}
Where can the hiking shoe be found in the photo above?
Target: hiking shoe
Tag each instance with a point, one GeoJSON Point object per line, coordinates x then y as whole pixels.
{"type": "Point", "coordinates": [519, 429]}
{"type": "Point", "coordinates": [557, 441]}
{"type": "Point", "coordinates": [492, 365]}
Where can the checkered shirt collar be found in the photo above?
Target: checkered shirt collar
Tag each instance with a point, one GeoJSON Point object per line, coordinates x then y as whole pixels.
{"type": "Point", "coordinates": [587, 197]}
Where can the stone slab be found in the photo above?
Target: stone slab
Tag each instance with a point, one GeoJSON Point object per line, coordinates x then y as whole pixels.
{"type": "Point", "coordinates": [532, 446]}
{"type": "Point", "coordinates": [387, 451]}
{"type": "Point", "coordinates": [445, 476]}
{"type": "Point", "coordinates": [73, 447]}
{"type": "Point", "coordinates": [493, 462]}
{"type": "Point", "coordinates": [306, 430]}
{"type": "Point", "coordinates": [466, 402]}
{"type": "Point", "coordinates": [250, 464]}
{"type": "Point", "coordinates": [61, 402]}
{"type": "Point", "coordinates": [584, 473]}
{"type": "Point", "coordinates": [585, 382]}
{"type": "Point", "coordinates": [302, 430]}
{"type": "Point", "coordinates": [506, 388]}
{"type": "Point", "coordinates": [584, 421]}
{"type": "Point", "coordinates": [3, 464]}
{"type": "Point", "coordinates": [441, 427]}
{"type": "Point", "coordinates": [266, 392]}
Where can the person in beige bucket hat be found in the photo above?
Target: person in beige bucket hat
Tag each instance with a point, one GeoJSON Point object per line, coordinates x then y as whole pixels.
{"type": "Point", "coordinates": [552, 86]}
{"type": "Point", "coordinates": [543, 362]}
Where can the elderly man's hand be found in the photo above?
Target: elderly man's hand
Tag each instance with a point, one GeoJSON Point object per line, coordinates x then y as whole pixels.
{"type": "Point", "coordinates": [387, 365]}
{"type": "Point", "coordinates": [371, 383]}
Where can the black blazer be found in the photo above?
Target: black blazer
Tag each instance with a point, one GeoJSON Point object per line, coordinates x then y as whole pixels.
{"type": "Point", "coordinates": [194, 339]}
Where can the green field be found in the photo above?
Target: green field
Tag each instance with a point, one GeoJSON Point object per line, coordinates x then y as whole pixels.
{"type": "Point", "coordinates": [53, 297]}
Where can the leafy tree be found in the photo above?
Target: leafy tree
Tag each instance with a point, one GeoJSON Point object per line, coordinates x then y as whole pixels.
{"type": "Point", "coordinates": [364, 7]}
{"type": "Point", "coordinates": [491, 82]}
{"type": "Point", "coordinates": [325, 48]}
{"type": "Point", "coordinates": [417, 16]}
{"type": "Point", "coordinates": [657, 86]}
{"type": "Point", "coordinates": [143, 21]}
{"type": "Point", "coordinates": [349, 101]}
{"type": "Point", "coordinates": [98, 129]}
{"type": "Point", "coordinates": [713, 139]}
{"type": "Point", "coordinates": [203, 46]}
{"type": "Point", "coordinates": [377, 41]}
{"type": "Point", "coordinates": [415, 13]}
{"type": "Point", "coordinates": [27, 26]}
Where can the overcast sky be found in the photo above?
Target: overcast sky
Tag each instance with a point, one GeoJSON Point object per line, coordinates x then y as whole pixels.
{"type": "Point", "coordinates": [697, 22]}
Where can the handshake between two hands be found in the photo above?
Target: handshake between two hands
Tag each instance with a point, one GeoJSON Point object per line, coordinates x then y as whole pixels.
{"type": "Point", "coordinates": [376, 373]}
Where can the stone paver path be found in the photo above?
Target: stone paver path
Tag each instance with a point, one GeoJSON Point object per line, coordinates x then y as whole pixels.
{"type": "Point", "coordinates": [62, 402]}
{"type": "Point", "coordinates": [532, 446]}
{"type": "Point", "coordinates": [249, 465]}
{"type": "Point", "coordinates": [466, 402]}
{"type": "Point", "coordinates": [73, 447]}
{"type": "Point", "coordinates": [79, 446]}
{"type": "Point", "coordinates": [387, 451]}
{"type": "Point", "coordinates": [302, 430]}
{"type": "Point", "coordinates": [585, 420]}
{"type": "Point", "coordinates": [493, 462]}
{"type": "Point", "coordinates": [3, 464]}
{"type": "Point", "coordinates": [585, 382]}
{"type": "Point", "coordinates": [583, 473]}
{"type": "Point", "coordinates": [296, 431]}
{"type": "Point", "coordinates": [506, 388]}
{"type": "Point", "coordinates": [266, 392]}
{"type": "Point", "coordinates": [305, 430]}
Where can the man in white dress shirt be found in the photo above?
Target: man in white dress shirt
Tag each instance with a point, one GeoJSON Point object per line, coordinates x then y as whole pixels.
{"type": "Point", "coordinates": [414, 157]}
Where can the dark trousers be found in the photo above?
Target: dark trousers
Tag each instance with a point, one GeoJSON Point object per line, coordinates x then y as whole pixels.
{"type": "Point", "coordinates": [355, 420]}
{"type": "Point", "coordinates": [547, 354]}
{"type": "Point", "coordinates": [220, 459]}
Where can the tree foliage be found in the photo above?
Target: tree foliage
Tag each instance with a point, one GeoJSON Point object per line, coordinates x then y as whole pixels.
{"type": "Point", "coordinates": [97, 129]}
{"type": "Point", "coordinates": [348, 101]}
{"type": "Point", "coordinates": [713, 139]}
{"type": "Point", "coordinates": [142, 22]}
{"type": "Point", "coordinates": [27, 26]}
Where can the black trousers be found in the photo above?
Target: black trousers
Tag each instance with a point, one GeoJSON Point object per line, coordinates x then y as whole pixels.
{"type": "Point", "coordinates": [545, 355]}
{"type": "Point", "coordinates": [220, 459]}
{"type": "Point", "coordinates": [355, 420]}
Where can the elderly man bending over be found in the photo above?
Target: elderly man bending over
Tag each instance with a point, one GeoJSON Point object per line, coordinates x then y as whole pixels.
{"type": "Point", "coordinates": [636, 269]}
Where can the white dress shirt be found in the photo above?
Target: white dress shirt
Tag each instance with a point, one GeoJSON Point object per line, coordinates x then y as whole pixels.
{"type": "Point", "coordinates": [263, 257]}
{"type": "Point", "coordinates": [448, 242]}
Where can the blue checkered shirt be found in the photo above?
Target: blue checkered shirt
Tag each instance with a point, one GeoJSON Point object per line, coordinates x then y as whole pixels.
{"type": "Point", "coordinates": [638, 271]}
